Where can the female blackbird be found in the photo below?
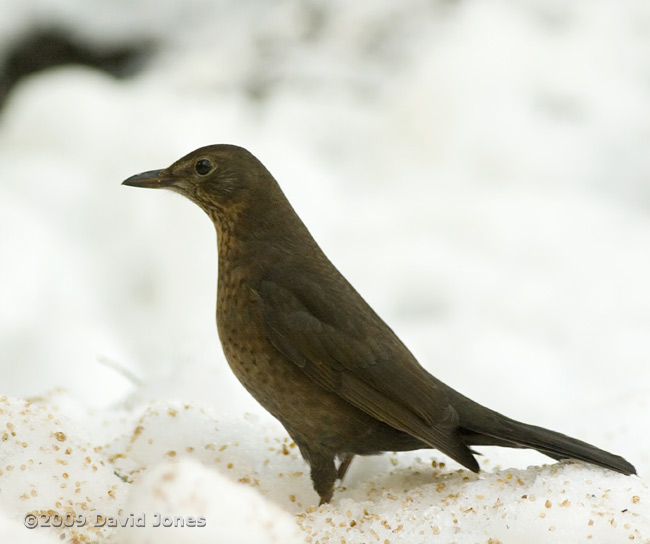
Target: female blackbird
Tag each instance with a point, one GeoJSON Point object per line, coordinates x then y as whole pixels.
{"type": "Point", "coordinates": [312, 352]}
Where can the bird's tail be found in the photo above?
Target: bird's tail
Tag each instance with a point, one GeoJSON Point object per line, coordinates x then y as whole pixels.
{"type": "Point", "coordinates": [493, 429]}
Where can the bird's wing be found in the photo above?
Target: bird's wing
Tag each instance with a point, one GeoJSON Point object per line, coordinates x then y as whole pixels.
{"type": "Point", "coordinates": [346, 348]}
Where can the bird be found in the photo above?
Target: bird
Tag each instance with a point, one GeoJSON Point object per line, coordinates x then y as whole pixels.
{"type": "Point", "coordinates": [310, 349]}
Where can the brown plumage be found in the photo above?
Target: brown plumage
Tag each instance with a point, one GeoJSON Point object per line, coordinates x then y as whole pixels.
{"type": "Point", "coordinates": [307, 346]}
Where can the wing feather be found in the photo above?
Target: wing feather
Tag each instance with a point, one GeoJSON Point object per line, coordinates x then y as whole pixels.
{"type": "Point", "coordinates": [360, 359]}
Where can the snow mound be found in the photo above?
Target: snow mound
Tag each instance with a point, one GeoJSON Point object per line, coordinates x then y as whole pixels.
{"type": "Point", "coordinates": [565, 502]}
{"type": "Point", "coordinates": [173, 471]}
{"type": "Point", "coordinates": [222, 510]}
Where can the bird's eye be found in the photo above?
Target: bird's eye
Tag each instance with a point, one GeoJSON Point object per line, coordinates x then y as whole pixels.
{"type": "Point", "coordinates": [203, 166]}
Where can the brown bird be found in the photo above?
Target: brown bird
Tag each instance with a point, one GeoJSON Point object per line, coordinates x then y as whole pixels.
{"type": "Point", "coordinates": [312, 352]}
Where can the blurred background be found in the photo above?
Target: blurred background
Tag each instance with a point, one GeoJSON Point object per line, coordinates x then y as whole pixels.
{"type": "Point", "coordinates": [480, 171]}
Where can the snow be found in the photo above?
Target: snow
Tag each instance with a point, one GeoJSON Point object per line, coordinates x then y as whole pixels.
{"type": "Point", "coordinates": [479, 171]}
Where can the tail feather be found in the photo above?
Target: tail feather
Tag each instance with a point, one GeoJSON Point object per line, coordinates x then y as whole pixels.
{"type": "Point", "coordinates": [496, 430]}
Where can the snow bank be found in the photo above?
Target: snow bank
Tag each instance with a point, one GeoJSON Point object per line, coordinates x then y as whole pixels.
{"type": "Point", "coordinates": [176, 471]}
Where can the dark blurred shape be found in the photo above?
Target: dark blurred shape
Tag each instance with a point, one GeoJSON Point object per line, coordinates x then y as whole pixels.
{"type": "Point", "coordinates": [42, 48]}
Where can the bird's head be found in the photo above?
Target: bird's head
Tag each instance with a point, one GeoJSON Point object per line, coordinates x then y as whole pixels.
{"type": "Point", "coordinates": [221, 179]}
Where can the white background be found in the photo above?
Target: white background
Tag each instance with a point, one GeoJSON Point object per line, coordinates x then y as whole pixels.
{"type": "Point", "coordinates": [479, 171]}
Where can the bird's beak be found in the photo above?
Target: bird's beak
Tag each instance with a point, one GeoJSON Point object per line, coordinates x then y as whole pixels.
{"type": "Point", "coordinates": [153, 179]}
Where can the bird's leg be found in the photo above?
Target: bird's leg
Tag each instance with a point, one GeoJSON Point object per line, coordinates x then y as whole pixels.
{"type": "Point", "coordinates": [323, 476]}
{"type": "Point", "coordinates": [345, 464]}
